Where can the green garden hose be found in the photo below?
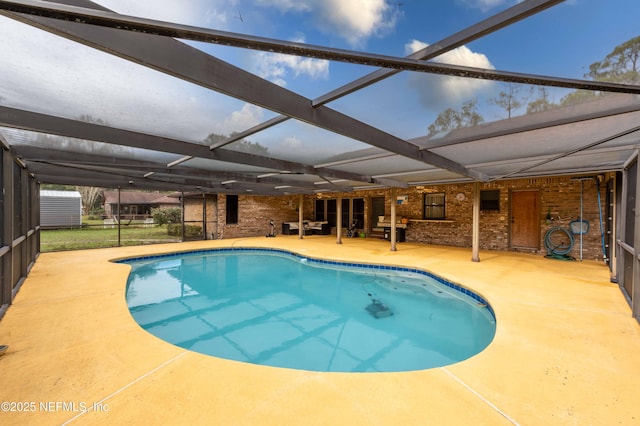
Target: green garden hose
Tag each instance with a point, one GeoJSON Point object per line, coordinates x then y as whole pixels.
{"type": "Point", "coordinates": [558, 241]}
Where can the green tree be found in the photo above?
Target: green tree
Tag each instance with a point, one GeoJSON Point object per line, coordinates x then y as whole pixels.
{"type": "Point", "coordinates": [578, 97]}
{"type": "Point", "coordinates": [241, 145]}
{"type": "Point", "coordinates": [619, 66]}
{"type": "Point", "coordinates": [508, 98]}
{"type": "Point", "coordinates": [63, 143]}
{"type": "Point", "coordinates": [90, 197]}
{"type": "Point", "coordinates": [451, 119]}
{"type": "Point", "coordinates": [542, 103]}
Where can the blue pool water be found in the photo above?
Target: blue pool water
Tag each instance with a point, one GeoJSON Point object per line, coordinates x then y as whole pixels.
{"type": "Point", "coordinates": [272, 307]}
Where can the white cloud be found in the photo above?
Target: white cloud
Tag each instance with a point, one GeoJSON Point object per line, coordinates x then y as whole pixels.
{"type": "Point", "coordinates": [248, 116]}
{"type": "Point", "coordinates": [217, 12]}
{"type": "Point", "coordinates": [356, 20]}
{"type": "Point", "coordinates": [216, 18]}
{"type": "Point", "coordinates": [436, 91]}
{"type": "Point", "coordinates": [276, 67]}
{"type": "Point", "coordinates": [291, 142]}
{"type": "Point", "coordinates": [286, 5]}
{"type": "Point", "coordinates": [352, 20]}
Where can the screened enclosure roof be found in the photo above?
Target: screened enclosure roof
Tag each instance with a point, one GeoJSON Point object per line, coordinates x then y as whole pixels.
{"type": "Point", "coordinates": [90, 96]}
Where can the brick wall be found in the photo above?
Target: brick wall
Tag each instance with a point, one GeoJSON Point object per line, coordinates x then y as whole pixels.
{"type": "Point", "coordinates": [254, 214]}
{"type": "Point", "coordinates": [559, 199]}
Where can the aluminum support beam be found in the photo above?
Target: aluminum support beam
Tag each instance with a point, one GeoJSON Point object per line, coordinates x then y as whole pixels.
{"type": "Point", "coordinates": [172, 57]}
{"type": "Point", "coordinates": [126, 165]}
{"type": "Point", "coordinates": [26, 120]}
{"type": "Point", "coordinates": [474, 32]}
{"type": "Point", "coordinates": [76, 172]}
{"type": "Point", "coordinates": [607, 107]}
{"type": "Point", "coordinates": [152, 27]}
{"type": "Point", "coordinates": [574, 151]}
{"type": "Point", "coordinates": [489, 25]}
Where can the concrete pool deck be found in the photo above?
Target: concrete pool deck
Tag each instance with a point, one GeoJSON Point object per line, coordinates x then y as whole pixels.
{"type": "Point", "coordinates": [566, 351]}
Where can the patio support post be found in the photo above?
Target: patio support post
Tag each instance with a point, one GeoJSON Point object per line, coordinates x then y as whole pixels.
{"type": "Point", "coordinates": [339, 220]}
{"type": "Point", "coordinates": [204, 216]}
{"type": "Point", "coordinates": [394, 201]}
{"type": "Point", "coordinates": [118, 216]}
{"type": "Point", "coordinates": [475, 257]}
{"type": "Point", "coordinates": [182, 215]}
{"type": "Point", "coordinates": [300, 215]}
{"type": "Point", "coordinates": [215, 235]}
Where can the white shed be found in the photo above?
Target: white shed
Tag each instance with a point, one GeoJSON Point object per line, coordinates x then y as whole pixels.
{"type": "Point", "coordinates": [60, 209]}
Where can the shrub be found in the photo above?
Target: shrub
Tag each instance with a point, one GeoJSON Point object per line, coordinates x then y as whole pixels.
{"type": "Point", "coordinates": [166, 216]}
{"type": "Point", "coordinates": [192, 230]}
{"type": "Point", "coordinates": [175, 229]}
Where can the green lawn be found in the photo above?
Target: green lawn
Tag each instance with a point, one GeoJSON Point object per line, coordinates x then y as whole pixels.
{"type": "Point", "coordinates": [94, 235]}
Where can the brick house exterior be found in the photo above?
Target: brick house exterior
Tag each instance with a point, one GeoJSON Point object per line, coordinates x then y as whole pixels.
{"type": "Point", "coordinates": [558, 203]}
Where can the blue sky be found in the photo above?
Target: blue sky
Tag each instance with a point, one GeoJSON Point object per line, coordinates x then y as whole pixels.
{"type": "Point", "coordinates": [562, 41]}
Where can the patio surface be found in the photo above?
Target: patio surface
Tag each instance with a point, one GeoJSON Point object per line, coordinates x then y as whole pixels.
{"type": "Point", "coordinates": [566, 351]}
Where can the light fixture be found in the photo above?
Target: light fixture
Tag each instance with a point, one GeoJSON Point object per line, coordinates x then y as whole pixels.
{"type": "Point", "coordinates": [329, 182]}
{"type": "Point", "coordinates": [179, 161]}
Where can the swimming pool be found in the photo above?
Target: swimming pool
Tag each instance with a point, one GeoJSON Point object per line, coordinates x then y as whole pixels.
{"type": "Point", "coordinates": [277, 308]}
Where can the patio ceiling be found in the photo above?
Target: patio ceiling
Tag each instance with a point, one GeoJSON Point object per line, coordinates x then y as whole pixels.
{"type": "Point", "coordinates": [58, 147]}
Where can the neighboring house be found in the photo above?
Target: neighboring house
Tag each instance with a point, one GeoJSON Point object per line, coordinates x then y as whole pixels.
{"type": "Point", "coordinates": [60, 209]}
{"type": "Point", "coordinates": [135, 205]}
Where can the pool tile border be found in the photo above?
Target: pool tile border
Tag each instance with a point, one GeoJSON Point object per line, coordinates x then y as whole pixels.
{"type": "Point", "coordinates": [311, 259]}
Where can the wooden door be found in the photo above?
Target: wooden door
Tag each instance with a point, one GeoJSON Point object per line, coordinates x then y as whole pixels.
{"type": "Point", "coordinates": [525, 219]}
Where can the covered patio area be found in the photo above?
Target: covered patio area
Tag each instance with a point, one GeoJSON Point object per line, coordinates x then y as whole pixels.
{"type": "Point", "coordinates": [565, 349]}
